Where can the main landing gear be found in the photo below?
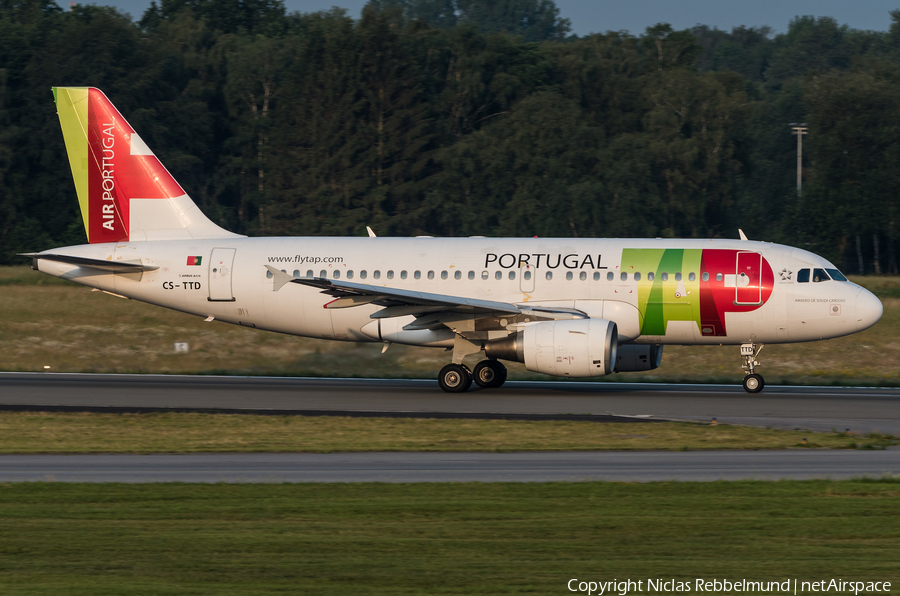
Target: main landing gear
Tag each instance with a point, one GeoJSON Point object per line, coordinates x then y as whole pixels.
{"type": "Point", "coordinates": [457, 378]}
{"type": "Point", "coordinates": [753, 383]}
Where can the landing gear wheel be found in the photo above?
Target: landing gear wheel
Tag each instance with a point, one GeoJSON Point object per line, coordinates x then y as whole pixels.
{"type": "Point", "coordinates": [455, 378]}
{"type": "Point", "coordinates": [754, 383]}
{"type": "Point", "coordinates": [489, 374]}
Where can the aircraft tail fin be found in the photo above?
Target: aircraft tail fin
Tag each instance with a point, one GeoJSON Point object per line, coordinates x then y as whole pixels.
{"type": "Point", "coordinates": [124, 191]}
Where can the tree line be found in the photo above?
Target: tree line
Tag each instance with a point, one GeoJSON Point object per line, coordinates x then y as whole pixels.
{"type": "Point", "coordinates": [466, 117]}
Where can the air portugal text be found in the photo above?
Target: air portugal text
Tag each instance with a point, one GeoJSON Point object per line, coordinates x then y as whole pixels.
{"type": "Point", "coordinates": [538, 260]}
{"type": "Point", "coordinates": [107, 171]}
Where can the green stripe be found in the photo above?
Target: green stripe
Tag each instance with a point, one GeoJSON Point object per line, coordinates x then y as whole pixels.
{"type": "Point", "coordinates": [72, 109]}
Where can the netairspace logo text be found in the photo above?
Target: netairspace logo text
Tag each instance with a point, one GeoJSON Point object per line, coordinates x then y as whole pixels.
{"type": "Point", "coordinates": [790, 586]}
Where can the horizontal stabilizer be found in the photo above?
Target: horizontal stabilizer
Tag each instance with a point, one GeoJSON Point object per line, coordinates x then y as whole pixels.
{"type": "Point", "coordinates": [100, 264]}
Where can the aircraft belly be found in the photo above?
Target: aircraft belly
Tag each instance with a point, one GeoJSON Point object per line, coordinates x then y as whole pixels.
{"type": "Point", "coordinates": [347, 322]}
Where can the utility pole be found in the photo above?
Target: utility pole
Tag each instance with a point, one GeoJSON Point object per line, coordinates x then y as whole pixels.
{"type": "Point", "coordinates": [799, 129]}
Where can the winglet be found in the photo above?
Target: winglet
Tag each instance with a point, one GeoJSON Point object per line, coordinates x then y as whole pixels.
{"type": "Point", "coordinates": [280, 278]}
{"type": "Point", "coordinates": [371, 233]}
{"type": "Point", "coordinates": [743, 235]}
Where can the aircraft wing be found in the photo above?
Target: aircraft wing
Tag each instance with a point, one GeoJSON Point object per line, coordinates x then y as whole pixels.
{"type": "Point", "coordinates": [398, 302]}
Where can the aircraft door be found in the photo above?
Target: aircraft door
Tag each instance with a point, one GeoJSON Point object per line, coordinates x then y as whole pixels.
{"type": "Point", "coordinates": [526, 279]}
{"type": "Point", "coordinates": [748, 278]}
{"type": "Point", "coordinates": [220, 264]}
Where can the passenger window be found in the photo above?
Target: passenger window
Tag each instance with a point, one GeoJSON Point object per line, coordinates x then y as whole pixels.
{"type": "Point", "coordinates": [623, 276]}
{"type": "Point", "coordinates": [403, 274]}
{"type": "Point", "coordinates": [484, 275]}
{"type": "Point", "coordinates": [390, 274]}
{"type": "Point", "coordinates": [431, 275]}
{"type": "Point", "coordinates": [692, 276]}
{"type": "Point", "coordinates": [678, 276]}
{"type": "Point", "coordinates": [569, 275]}
{"type": "Point", "coordinates": [637, 276]}
{"type": "Point", "coordinates": [705, 276]}
{"type": "Point", "coordinates": [664, 276]}
{"type": "Point", "coordinates": [443, 275]}
{"type": "Point", "coordinates": [498, 275]}
{"type": "Point", "coordinates": [363, 274]}
{"type": "Point", "coordinates": [803, 276]}
{"type": "Point", "coordinates": [457, 275]}
{"type": "Point", "coordinates": [471, 275]}
{"type": "Point", "coordinates": [836, 275]}
{"type": "Point", "coordinates": [512, 274]}
{"type": "Point", "coordinates": [296, 273]}
{"type": "Point", "coordinates": [582, 276]}
{"type": "Point", "coordinates": [323, 273]}
{"type": "Point", "coordinates": [820, 275]}
{"type": "Point", "coordinates": [718, 277]}
{"type": "Point", "coordinates": [609, 276]}
{"type": "Point", "coordinates": [549, 275]}
{"type": "Point", "coordinates": [596, 276]}
{"type": "Point", "coordinates": [350, 274]}
{"type": "Point", "coordinates": [377, 274]}
{"type": "Point", "coordinates": [337, 274]}
{"type": "Point", "coordinates": [309, 273]}
{"type": "Point", "coordinates": [417, 275]}
{"type": "Point", "coordinates": [650, 276]}
{"type": "Point", "coordinates": [527, 275]}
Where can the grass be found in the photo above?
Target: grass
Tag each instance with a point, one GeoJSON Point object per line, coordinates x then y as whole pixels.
{"type": "Point", "coordinates": [182, 433]}
{"type": "Point", "coordinates": [369, 539]}
{"type": "Point", "coordinates": [49, 322]}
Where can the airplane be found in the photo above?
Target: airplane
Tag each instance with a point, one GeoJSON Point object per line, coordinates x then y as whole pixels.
{"type": "Point", "coordinates": [576, 308]}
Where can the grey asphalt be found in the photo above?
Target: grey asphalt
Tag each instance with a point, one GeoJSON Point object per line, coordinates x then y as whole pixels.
{"type": "Point", "coordinates": [861, 410]}
{"type": "Point", "coordinates": [452, 467]}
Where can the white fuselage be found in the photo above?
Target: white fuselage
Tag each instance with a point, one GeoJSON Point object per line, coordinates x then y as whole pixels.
{"type": "Point", "coordinates": [232, 284]}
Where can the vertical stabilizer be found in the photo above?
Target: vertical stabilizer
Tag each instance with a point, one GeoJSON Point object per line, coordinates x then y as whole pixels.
{"type": "Point", "coordinates": [125, 193]}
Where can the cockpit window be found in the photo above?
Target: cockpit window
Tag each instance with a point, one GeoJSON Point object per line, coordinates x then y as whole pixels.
{"type": "Point", "coordinates": [820, 275]}
{"type": "Point", "coordinates": [803, 276]}
{"type": "Point", "coordinates": [836, 275]}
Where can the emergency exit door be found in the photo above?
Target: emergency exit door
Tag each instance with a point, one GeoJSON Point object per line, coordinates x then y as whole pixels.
{"type": "Point", "coordinates": [748, 278]}
{"type": "Point", "coordinates": [220, 275]}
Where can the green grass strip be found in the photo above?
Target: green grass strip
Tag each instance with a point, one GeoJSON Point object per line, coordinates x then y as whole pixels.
{"type": "Point", "coordinates": [105, 539]}
{"type": "Point", "coordinates": [28, 432]}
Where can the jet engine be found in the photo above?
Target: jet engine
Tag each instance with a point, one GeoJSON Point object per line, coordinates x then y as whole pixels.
{"type": "Point", "coordinates": [572, 348]}
{"type": "Point", "coordinates": [635, 358]}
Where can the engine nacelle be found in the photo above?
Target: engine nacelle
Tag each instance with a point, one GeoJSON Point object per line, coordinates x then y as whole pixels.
{"type": "Point", "coordinates": [574, 348]}
{"type": "Point", "coordinates": [635, 358]}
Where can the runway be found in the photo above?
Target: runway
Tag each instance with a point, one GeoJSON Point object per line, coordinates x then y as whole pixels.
{"type": "Point", "coordinates": [452, 467]}
{"type": "Point", "coordinates": [861, 410]}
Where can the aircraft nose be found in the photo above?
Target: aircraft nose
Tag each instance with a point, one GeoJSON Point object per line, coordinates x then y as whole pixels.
{"type": "Point", "coordinates": [868, 309]}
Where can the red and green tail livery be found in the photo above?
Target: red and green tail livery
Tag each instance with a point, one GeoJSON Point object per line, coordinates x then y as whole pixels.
{"type": "Point", "coordinates": [125, 193]}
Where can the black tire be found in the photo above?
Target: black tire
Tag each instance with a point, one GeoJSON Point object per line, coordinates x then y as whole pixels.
{"type": "Point", "coordinates": [455, 378]}
{"type": "Point", "coordinates": [754, 383]}
{"type": "Point", "coordinates": [502, 378]}
{"type": "Point", "coordinates": [489, 374]}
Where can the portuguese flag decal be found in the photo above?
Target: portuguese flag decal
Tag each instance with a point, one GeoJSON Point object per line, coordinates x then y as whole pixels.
{"type": "Point", "coordinates": [193, 260]}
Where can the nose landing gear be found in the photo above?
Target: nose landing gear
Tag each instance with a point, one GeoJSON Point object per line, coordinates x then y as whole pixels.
{"type": "Point", "coordinates": [753, 383]}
